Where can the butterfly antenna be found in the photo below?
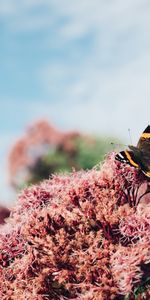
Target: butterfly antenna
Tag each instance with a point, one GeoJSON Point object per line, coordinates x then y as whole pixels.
{"type": "Point", "coordinates": [118, 145]}
{"type": "Point", "coordinates": [129, 131]}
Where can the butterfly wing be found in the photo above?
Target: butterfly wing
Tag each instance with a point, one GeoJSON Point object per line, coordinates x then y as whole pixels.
{"type": "Point", "coordinates": [144, 146]}
{"type": "Point", "coordinates": [144, 141]}
{"type": "Point", "coordinates": [138, 157]}
{"type": "Point", "coordinates": [127, 157]}
{"type": "Point", "coordinates": [147, 173]}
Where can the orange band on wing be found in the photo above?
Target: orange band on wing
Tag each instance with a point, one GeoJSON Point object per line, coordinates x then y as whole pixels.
{"type": "Point", "coordinates": [146, 173]}
{"type": "Point", "coordinates": [145, 135]}
{"type": "Point", "coordinates": [131, 160]}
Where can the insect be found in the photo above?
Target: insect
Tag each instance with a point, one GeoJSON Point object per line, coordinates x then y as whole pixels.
{"type": "Point", "coordinates": [138, 156]}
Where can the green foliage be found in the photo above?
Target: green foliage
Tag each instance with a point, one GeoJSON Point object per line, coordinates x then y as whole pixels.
{"type": "Point", "coordinates": [79, 152]}
{"type": "Point", "coordinates": [140, 292]}
{"type": "Point", "coordinates": [92, 152]}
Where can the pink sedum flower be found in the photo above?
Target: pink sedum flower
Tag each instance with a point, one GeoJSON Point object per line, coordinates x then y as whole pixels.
{"type": "Point", "coordinates": [78, 236]}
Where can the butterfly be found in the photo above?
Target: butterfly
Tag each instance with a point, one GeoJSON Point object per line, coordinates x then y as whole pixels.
{"type": "Point", "coordinates": [138, 156]}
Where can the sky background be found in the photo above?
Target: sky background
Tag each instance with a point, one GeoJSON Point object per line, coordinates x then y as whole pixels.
{"type": "Point", "coordinates": [82, 65]}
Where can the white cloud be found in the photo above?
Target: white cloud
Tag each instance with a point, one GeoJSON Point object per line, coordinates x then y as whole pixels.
{"type": "Point", "coordinates": [7, 8]}
{"type": "Point", "coordinates": [113, 101]}
{"type": "Point", "coordinates": [113, 77]}
{"type": "Point", "coordinates": [117, 93]}
{"type": "Point", "coordinates": [83, 16]}
{"type": "Point", "coordinates": [94, 14]}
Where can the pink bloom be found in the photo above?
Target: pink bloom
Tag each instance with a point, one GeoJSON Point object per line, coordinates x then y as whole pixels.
{"type": "Point", "coordinates": [78, 236]}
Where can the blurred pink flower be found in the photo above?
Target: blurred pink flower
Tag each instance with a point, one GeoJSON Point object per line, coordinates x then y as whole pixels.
{"type": "Point", "coordinates": [38, 139]}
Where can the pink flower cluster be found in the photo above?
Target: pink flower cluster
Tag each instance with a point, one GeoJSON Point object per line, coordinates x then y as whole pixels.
{"type": "Point", "coordinates": [78, 236]}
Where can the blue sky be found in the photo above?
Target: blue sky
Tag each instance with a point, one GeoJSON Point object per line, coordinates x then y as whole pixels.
{"type": "Point", "coordinates": [81, 64]}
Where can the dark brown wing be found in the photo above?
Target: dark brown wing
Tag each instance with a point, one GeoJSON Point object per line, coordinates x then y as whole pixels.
{"type": "Point", "coordinates": [142, 157]}
{"type": "Point", "coordinates": [145, 159]}
{"type": "Point", "coordinates": [144, 141]}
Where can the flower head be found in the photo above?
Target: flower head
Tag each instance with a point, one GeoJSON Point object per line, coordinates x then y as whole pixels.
{"type": "Point", "coordinates": [71, 237]}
